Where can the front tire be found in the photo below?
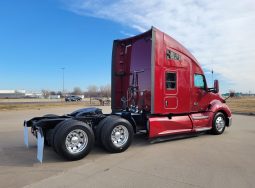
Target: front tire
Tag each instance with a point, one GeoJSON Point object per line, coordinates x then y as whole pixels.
{"type": "Point", "coordinates": [74, 140]}
{"type": "Point", "coordinates": [117, 134]}
{"type": "Point", "coordinates": [219, 123]}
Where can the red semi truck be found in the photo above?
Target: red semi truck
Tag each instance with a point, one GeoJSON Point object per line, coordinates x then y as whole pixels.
{"type": "Point", "coordinates": [158, 88]}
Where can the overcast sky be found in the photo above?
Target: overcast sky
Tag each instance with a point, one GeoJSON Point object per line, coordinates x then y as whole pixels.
{"type": "Point", "coordinates": [219, 33]}
{"type": "Point", "coordinates": [38, 38]}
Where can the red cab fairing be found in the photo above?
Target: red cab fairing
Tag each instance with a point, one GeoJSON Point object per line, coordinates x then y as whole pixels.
{"type": "Point", "coordinates": [170, 81]}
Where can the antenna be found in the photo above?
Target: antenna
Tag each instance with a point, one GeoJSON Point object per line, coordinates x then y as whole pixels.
{"type": "Point", "coordinates": [212, 73]}
{"type": "Point", "coordinates": [212, 77]}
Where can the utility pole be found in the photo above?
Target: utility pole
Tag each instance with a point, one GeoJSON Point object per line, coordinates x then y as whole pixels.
{"type": "Point", "coordinates": [63, 74]}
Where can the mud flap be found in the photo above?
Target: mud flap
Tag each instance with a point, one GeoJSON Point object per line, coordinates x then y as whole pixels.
{"type": "Point", "coordinates": [26, 134]}
{"type": "Point", "coordinates": [40, 145]}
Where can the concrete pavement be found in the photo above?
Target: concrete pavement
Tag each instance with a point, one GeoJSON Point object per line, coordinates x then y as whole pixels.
{"type": "Point", "coordinates": [205, 161]}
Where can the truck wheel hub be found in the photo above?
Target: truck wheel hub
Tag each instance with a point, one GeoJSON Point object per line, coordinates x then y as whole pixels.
{"type": "Point", "coordinates": [76, 141]}
{"type": "Point", "coordinates": [220, 123]}
{"type": "Point", "coordinates": [119, 136]}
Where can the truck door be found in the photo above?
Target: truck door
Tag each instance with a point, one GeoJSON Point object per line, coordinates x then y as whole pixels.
{"type": "Point", "coordinates": [199, 104]}
{"type": "Point", "coordinates": [199, 93]}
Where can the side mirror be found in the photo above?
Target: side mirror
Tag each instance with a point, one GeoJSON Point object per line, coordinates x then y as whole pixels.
{"type": "Point", "coordinates": [216, 86]}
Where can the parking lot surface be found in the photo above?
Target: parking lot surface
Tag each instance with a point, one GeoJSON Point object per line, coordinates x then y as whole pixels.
{"type": "Point", "coordinates": [227, 160]}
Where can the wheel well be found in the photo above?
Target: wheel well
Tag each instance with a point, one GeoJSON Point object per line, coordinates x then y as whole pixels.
{"type": "Point", "coordinates": [130, 120]}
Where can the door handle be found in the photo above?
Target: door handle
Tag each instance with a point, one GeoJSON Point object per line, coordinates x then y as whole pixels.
{"type": "Point", "coordinates": [166, 103]}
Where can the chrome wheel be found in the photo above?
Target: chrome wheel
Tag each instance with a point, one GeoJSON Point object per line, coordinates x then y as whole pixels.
{"type": "Point", "coordinates": [76, 141]}
{"type": "Point", "coordinates": [220, 123]}
{"type": "Point", "coordinates": [119, 135]}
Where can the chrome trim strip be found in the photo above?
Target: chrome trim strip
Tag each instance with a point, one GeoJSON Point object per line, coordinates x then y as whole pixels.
{"type": "Point", "coordinates": [174, 131]}
{"type": "Point", "coordinates": [199, 117]}
{"type": "Point", "coordinates": [203, 129]}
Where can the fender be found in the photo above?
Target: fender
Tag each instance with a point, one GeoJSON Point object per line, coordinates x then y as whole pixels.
{"type": "Point", "coordinates": [218, 106]}
{"type": "Point", "coordinates": [45, 122]}
{"type": "Point", "coordinates": [128, 116]}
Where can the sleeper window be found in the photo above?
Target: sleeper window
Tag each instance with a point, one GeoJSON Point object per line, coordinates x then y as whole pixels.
{"type": "Point", "coordinates": [170, 80]}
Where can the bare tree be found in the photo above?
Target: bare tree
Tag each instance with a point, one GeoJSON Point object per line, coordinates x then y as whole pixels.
{"type": "Point", "coordinates": [108, 90]}
{"type": "Point", "coordinates": [77, 91]}
{"type": "Point", "coordinates": [45, 93]}
{"type": "Point", "coordinates": [92, 91]}
{"type": "Point", "coordinates": [60, 93]}
{"type": "Point", "coordinates": [53, 93]}
{"type": "Point", "coordinates": [105, 91]}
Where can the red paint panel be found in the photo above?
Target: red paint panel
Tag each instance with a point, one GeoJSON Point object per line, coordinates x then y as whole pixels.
{"type": "Point", "coordinates": [149, 51]}
{"type": "Point", "coordinates": [171, 102]}
{"type": "Point", "coordinates": [160, 126]}
{"type": "Point", "coordinates": [182, 69]}
{"type": "Point", "coordinates": [201, 120]}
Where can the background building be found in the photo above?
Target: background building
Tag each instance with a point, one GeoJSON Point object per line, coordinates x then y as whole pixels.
{"type": "Point", "coordinates": [17, 94]}
{"type": "Point", "coordinates": [12, 94]}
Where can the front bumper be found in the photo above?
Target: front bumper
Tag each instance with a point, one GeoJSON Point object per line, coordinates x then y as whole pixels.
{"type": "Point", "coordinates": [229, 121]}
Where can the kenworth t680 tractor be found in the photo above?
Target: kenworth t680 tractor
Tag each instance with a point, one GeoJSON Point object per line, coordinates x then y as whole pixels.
{"type": "Point", "coordinates": [158, 89]}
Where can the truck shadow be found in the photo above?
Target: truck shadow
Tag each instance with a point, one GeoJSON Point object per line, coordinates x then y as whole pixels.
{"type": "Point", "coordinates": [18, 155]}
{"type": "Point", "coordinates": [26, 157]}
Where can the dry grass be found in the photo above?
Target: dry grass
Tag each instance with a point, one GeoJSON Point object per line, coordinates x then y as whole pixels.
{"type": "Point", "coordinates": [236, 104]}
{"type": "Point", "coordinates": [242, 104]}
{"type": "Point", "coordinates": [23, 106]}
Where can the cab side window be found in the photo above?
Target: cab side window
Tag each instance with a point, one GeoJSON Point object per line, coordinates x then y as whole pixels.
{"type": "Point", "coordinates": [199, 81]}
{"type": "Point", "coordinates": [170, 80]}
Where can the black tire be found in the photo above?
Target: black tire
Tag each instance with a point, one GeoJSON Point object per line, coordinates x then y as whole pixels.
{"type": "Point", "coordinates": [219, 123]}
{"type": "Point", "coordinates": [111, 123]}
{"type": "Point", "coordinates": [99, 127]}
{"type": "Point", "coordinates": [98, 130]}
{"type": "Point", "coordinates": [47, 133]}
{"type": "Point", "coordinates": [54, 131]}
{"type": "Point", "coordinates": [47, 137]}
{"type": "Point", "coordinates": [73, 127]}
